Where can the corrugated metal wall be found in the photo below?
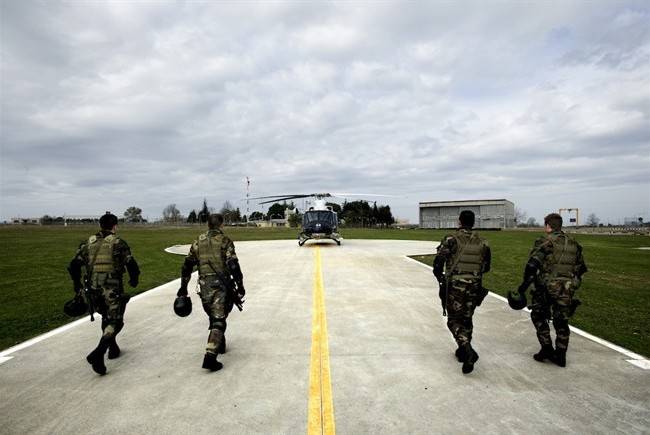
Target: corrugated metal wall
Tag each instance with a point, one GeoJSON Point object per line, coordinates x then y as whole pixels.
{"type": "Point", "coordinates": [487, 216]}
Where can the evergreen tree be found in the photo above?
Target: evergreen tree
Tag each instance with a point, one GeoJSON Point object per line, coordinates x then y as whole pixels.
{"type": "Point", "coordinates": [204, 213]}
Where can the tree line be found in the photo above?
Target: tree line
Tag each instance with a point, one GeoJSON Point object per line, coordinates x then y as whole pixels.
{"type": "Point", "coordinates": [362, 214]}
{"type": "Point", "coordinates": [355, 214]}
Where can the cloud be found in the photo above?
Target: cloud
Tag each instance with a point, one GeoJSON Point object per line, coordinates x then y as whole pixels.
{"type": "Point", "coordinates": [108, 105]}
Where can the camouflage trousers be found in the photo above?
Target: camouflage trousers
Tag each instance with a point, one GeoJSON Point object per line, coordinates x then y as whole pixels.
{"type": "Point", "coordinates": [463, 296]}
{"type": "Point", "coordinates": [552, 301]}
{"type": "Point", "coordinates": [214, 298]}
{"type": "Point", "coordinates": [110, 302]}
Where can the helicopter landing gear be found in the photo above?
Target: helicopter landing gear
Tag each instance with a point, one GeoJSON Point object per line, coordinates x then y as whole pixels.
{"type": "Point", "coordinates": [301, 242]}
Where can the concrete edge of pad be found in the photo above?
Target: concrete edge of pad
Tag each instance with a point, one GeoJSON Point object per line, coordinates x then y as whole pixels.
{"type": "Point", "coordinates": [4, 355]}
{"type": "Point", "coordinates": [634, 358]}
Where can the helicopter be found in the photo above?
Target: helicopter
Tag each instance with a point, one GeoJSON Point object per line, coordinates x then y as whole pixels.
{"type": "Point", "coordinates": [320, 221]}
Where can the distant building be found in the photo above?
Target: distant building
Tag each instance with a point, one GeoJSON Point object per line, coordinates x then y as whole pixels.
{"type": "Point", "coordinates": [25, 221]}
{"type": "Point", "coordinates": [490, 213]}
{"type": "Point", "coordinates": [632, 221]}
{"type": "Point", "coordinates": [54, 220]}
{"type": "Point", "coordinates": [269, 223]}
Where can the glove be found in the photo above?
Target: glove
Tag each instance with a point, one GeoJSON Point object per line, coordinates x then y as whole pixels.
{"type": "Point", "coordinates": [133, 281]}
{"type": "Point", "coordinates": [241, 291]}
{"type": "Point", "coordinates": [182, 291]}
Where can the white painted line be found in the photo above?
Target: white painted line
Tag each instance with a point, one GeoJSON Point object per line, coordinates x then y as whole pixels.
{"type": "Point", "coordinates": [418, 262]}
{"type": "Point", "coordinates": [644, 364]}
{"type": "Point", "coordinates": [636, 359]}
{"type": "Point", "coordinates": [39, 338]}
{"type": "Point", "coordinates": [25, 344]}
{"type": "Point", "coordinates": [178, 249]}
{"type": "Point", "coordinates": [617, 348]}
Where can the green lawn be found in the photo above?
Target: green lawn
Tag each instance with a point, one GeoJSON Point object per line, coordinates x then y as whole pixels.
{"type": "Point", "coordinates": [35, 284]}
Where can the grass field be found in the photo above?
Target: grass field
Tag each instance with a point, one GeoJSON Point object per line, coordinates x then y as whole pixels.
{"type": "Point", "coordinates": [35, 283]}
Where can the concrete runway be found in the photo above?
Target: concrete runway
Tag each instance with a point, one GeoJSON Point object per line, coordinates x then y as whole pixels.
{"type": "Point", "coordinates": [390, 355]}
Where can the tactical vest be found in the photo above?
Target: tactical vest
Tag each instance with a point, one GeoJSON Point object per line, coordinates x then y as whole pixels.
{"type": "Point", "coordinates": [562, 262]}
{"type": "Point", "coordinates": [100, 254]}
{"type": "Point", "coordinates": [209, 253]}
{"type": "Point", "coordinates": [467, 261]}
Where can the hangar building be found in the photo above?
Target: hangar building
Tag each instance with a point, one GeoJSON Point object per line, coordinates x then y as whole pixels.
{"type": "Point", "coordinates": [490, 213]}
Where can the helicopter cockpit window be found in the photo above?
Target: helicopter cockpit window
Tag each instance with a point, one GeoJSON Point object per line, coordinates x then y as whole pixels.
{"type": "Point", "coordinates": [319, 216]}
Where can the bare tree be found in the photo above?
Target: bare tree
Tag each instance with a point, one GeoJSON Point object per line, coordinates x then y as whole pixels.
{"type": "Point", "coordinates": [592, 220]}
{"type": "Point", "coordinates": [531, 222]}
{"type": "Point", "coordinates": [171, 213]}
{"type": "Point", "coordinates": [520, 216]}
{"type": "Point", "coordinates": [229, 213]}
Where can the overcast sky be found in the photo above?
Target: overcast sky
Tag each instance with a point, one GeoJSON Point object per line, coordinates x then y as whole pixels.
{"type": "Point", "coordinates": [111, 104]}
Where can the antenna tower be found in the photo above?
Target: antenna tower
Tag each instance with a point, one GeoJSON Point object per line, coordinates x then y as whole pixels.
{"type": "Point", "coordinates": [248, 186]}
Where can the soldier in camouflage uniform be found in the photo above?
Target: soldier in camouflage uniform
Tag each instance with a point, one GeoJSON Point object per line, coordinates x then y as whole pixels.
{"type": "Point", "coordinates": [219, 275]}
{"type": "Point", "coordinates": [461, 261]}
{"type": "Point", "coordinates": [104, 257]}
{"type": "Point", "coordinates": [556, 267]}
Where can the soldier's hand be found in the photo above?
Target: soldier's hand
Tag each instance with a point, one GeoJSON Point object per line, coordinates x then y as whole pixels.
{"type": "Point", "coordinates": [522, 288]}
{"type": "Point", "coordinates": [182, 291]}
{"type": "Point", "coordinates": [241, 291]}
{"type": "Point", "coordinates": [133, 281]}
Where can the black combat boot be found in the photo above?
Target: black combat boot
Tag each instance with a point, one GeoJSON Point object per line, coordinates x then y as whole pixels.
{"type": "Point", "coordinates": [210, 362]}
{"type": "Point", "coordinates": [460, 354]}
{"type": "Point", "coordinates": [113, 349]}
{"type": "Point", "coordinates": [470, 358]}
{"type": "Point", "coordinates": [222, 346]}
{"type": "Point", "coordinates": [545, 353]}
{"type": "Point", "coordinates": [96, 357]}
{"type": "Point", "coordinates": [559, 357]}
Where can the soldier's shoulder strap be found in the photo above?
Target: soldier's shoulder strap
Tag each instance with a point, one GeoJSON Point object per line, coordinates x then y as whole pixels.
{"type": "Point", "coordinates": [445, 244]}
{"type": "Point", "coordinates": [542, 243]}
{"type": "Point", "coordinates": [92, 240]}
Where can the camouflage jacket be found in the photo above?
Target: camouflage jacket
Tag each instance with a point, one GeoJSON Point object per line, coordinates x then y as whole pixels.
{"type": "Point", "coordinates": [210, 252]}
{"type": "Point", "coordinates": [465, 255]}
{"type": "Point", "coordinates": [557, 257]}
{"type": "Point", "coordinates": [104, 257]}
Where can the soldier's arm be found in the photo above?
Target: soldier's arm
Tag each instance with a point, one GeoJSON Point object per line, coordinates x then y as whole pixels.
{"type": "Point", "coordinates": [487, 258]}
{"type": "Point", "coordinates": [581, 267]}
{"type": "Point", "coordinates": [232, 262]}
{"type": "Point", "coordinates": [191, 260]}
{"type": "Point", "coordinates": [444, 251]}
{"type": "Point", "coordinates": [75, 266]}
{"type": "Point", "coordinates": [129, 262]}
{"type": "Point", "coordinates": [535, 262]}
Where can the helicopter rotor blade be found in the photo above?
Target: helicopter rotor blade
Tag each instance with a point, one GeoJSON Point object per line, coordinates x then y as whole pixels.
{"type": "Point", "coordinates": [285, 198]}
{"type": "Point", "coordinates": [288, 195]}
{"type": "Point", "coordinates": [363, 194]}
{"type": "Point", "coordinates": [276, 198]}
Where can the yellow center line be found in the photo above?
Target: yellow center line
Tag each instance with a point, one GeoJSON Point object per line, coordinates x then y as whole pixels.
{"type": "Point", "coordinates": [320, 418]}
